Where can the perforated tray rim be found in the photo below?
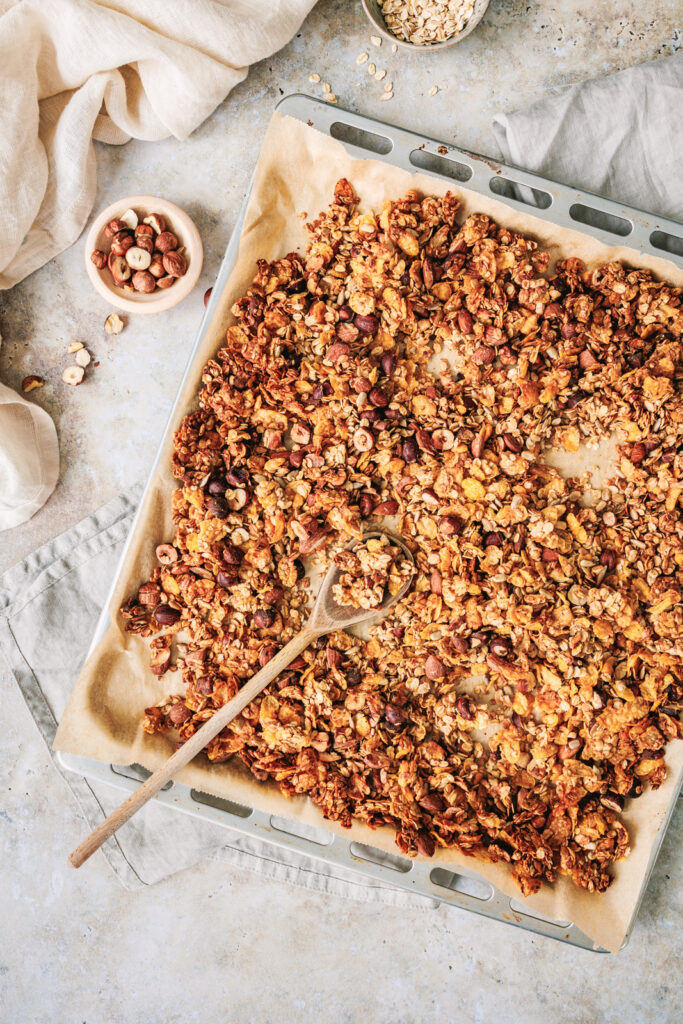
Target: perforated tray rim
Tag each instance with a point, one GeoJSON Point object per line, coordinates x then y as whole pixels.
{"type": "Point", "coordinates": [411, 876]}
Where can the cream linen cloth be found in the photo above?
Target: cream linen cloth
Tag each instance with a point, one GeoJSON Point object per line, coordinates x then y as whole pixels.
{"type": "Point", "coordinates": [78, 70]}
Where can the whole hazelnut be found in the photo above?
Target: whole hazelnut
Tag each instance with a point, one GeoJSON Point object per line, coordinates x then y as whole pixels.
{"type": "Point", "coordinates": [156, 222]}
{"type": "Point", "coordinates": [119, 268]}
{"type": "Point", "coordinates": [164, 282]}
{"type": "Point", "coordinates": [114, 226]}
{"type": "Point", "coordinates": [121, 242]}
{"type": "Point", "coordinates": [144, 231]}
{"type": "Point", "coordinates": [174, 263]}
{"type": "Point", "coordinates": [99, 258]}
{"type": "Point", "coordinates": [156, 267]}
{"type": "Point", "coordinates": [143, 281]}
{"type": "Point", "coordinates": [166, 242]}
{"type": "Point", "coordinates": [145, 242]}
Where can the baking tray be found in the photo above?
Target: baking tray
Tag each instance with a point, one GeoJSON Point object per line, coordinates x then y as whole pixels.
{"type": "Point", "coordinates": [606, 220]}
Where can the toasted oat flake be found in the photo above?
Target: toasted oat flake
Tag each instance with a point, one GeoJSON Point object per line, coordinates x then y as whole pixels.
{"type": "Point", "coordinates": [387, 96]}
{"type": "Point", "coordinates": [568, 611]}
{"type": "Point", "coordinates": [376, 40]}
{"type": "Point", "coordinates": [379, 75]}
{"type": "Point", "coordinates": [433, 91]}
{"type": "Point", "coordinates": [371, 69]}
{"type": "Point", "coordinates": [315, 77]}
{"type": "Point", "coordinates": [388, 86]}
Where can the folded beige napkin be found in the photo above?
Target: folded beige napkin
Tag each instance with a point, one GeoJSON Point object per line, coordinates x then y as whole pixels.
{"type": "Point", "coordinates": [78, 70]}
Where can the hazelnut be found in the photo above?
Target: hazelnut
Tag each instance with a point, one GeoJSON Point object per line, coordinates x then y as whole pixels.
{"type": "Point", "coordinates": [156, 267]}
{"type": "Point", "coordinates": [146, 243]}
{"type": "Point", "coordinates": [143, 281]}
{"type": "Point", "coordinates": [99, 258]}
{"type": "Point", "coordinates": [144, 231]}
{"type": "Point", "coordinates": [207, 296]}
{"type": "Point", "coordinates": [30, 383]}
{"type": "Point", "coordinates": [156, 222]}
{"type": "Point", "coordinates": [82, 357]}
{"type": "Point", "coordinates": [114, 226]}
{"type": "Point", "coordinates": [73, 375]}
{"type": "Point", "coordinates": [130, 219]}
{"type": "Point", "coordinates": [363, 440]}
{"type": "Point", "coordinates": [138, 259]}
{"type": "Point", "coordinates": [119, 269]}
{"type": "Point", "coordinates": [174, 263]}
{"type": "Point", "coordinates": [74, 346]}
{"type": "Point", "coordinates": [166, 554]}
{"type": "Point", "coordinates": [434, 667]}
{"type": "Point", "coordinates": [121, 242]}
{"type": "Point", "coordinates": [166, 242]}
{"type": "Point", "coordinates": [165, 282]}
{"type": "Point", "coordinates": [113, 324]}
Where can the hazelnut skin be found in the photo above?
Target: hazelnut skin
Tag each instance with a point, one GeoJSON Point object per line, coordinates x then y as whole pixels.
{"type": "Point", "coordinates": [121, 242]}
{"type": "Point", "coordinates": [175, 264]}
{"type": "Point", "coordinates": [146, 243]}
{"type": "Point", "coordinates": [166, 242]}
{"type": "Point", "coordinates": [99, 258]}
{"type": "Point", "coordinates": [165, 282]}
{"type": "Point", "coordinates": [143, 281]}
{"type": "Point", "coordinates": [114, 226]}
{"type": "Point", "coordinates": [119, 268]}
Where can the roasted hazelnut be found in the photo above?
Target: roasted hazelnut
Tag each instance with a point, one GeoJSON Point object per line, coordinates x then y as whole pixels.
{"type": "Point", "coordinates": [113, 324]}
{"type": "Point", "coordinates": [166, 615]}
{"type": "Point", "coordinates": [165, 282]}
{"type": "Point", "coordinates": [434, 667]}
{"type": "Point", "coordinates": [120, 270]}
{"type": "Point", "coordinates": [166, 241]}
{"type": "Point", "coordinates": [98, 258]}
{"type": "Point", "coordinates": [156, 222]}
{"type": "Point", "coordinates": [114, 226]}
{"type": "Point", "coordinates": [174, 263]}
{"type": "Point", "coordinates": [138, 259]}
{"type": "Point", "coordinates": [386, 508]}
{"type": "Point", "coordinates": [146, 243]}
{"type": "Point", "coordinates": [264, 618]}
{"type": "Point", "coordinates": [425, 844]}
{"type": "Point", "coordinates": [143, 281]}
{"type": "Point", "coordinates": [378, 398]}
{"type": "Point", "coordinates": [31, 383]}
{"type": "Point", "coordinates": [179, 713]}
{"type": "Point", "coordinates": [337, 351]}
{"type": "Point", "coordinates": [121, 243]}
{"type": "Point", "coordinates": [156, 267]}
{"type": "Point", "coordinates": [409, 450]}
{"type": "Point", "coordinates": [366, 324]}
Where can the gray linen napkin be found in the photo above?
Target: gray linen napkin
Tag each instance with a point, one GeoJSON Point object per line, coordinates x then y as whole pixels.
{"type": "Point", "coordinates": [617, 136]}
{"type": "Point", "coordinates": [620, 136]}
{"type": "Point", "coordinates": [49, 606]}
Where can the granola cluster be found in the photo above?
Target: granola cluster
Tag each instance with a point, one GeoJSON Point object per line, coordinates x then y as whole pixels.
{"type": "Point", "coordinates": [374, 568]}
{"type": "Point", "coordinates": [529, 682]}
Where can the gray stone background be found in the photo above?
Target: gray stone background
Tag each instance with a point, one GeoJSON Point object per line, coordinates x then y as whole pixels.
{"type": "Point", "coordinates": [214, 944]}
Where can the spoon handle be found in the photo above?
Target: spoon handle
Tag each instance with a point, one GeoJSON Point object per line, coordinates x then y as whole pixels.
{"type": "Point", "coordinates": [191, 748]}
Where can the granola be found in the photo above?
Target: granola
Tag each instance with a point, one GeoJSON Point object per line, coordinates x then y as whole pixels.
{"type": "Point", "coordinates": [373, 569]}
{"type": "Point", "coordinates": [529, 683]}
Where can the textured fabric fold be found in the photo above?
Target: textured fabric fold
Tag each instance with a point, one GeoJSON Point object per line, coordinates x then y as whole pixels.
{"type": "Point", "coordinates": [620, 136]}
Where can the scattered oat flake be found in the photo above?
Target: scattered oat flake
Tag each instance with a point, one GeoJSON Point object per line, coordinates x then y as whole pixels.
{"type": "Point", "coordinates": [361, 59]}
{"type": "Point", "coordinates": [389, 87]}
{"type": "Point", "coordinates": [326, 87]}
{"type": "Point", "coordinates": [314, 77]}
{"type": "Point", "coordinates": [376, 40]}
{"type": "Point", "coordinates": [394, 47]}
{"type": "Point", "coordinates": [330, 97]}
{"type": "Point", "coordinates": [371, 69]}
{"type": "Point", "coordinates": [433, 91]}
{"type": "Point", "coordinates": [380, 75]}
{"type": "Point", "coordinates": [387, 96]}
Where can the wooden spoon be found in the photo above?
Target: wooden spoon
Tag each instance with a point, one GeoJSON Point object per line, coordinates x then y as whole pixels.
{"type": "Point", "coordinates": [326, 617]}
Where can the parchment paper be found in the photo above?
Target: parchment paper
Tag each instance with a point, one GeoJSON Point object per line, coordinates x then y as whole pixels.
{"type": "Point", "coordinates": [296, 172]}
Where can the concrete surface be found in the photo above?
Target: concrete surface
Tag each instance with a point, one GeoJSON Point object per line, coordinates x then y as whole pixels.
{"type": "Point", "coordinates": [213, 944]}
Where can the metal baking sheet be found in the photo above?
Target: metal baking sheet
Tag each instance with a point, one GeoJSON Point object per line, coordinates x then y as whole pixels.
{"type": "Point", "coordinates": [562, 205]}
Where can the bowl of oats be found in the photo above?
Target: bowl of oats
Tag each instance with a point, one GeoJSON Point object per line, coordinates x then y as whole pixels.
{"type": "Point", "coordinates": [425, 24]}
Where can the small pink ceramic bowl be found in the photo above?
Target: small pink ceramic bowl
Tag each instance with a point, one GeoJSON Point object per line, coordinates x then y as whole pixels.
{"type": "Point", "coordinates": [161, 298]}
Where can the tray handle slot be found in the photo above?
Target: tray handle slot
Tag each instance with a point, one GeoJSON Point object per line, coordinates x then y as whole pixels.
{"type": "Point", "coordinates": [474, 887]}
{"type": "Point", "coordinates": [137, 773]}
{"type": "Point", "coordinates": [599, 219]}
{"type": "Point", "coordinates": [361, 138]}
{"type": "Point", "coordinates": [386, 860]}
{"type": "Point", "coordinates": [444, 166]}
{"type": "Point", "coordinates": [511, 189]}
{"type": "Point", "coordinates": [520, 908]}
{"type": "Point", "coordinates": [667, 242]}
{"type": "Point", "coordinates": [219, 804]}
{"type": "Point", "coordinates": [319, 836]}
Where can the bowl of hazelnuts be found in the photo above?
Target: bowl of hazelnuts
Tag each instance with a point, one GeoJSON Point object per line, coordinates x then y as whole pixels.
{"type": "Point", "coordinates": [143, 254]}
